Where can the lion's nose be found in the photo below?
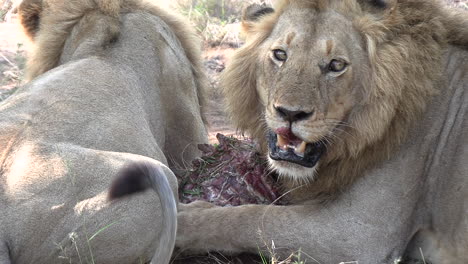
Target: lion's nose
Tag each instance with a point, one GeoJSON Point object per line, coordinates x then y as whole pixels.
{"type": "Point", "coordinates": [292, 116]}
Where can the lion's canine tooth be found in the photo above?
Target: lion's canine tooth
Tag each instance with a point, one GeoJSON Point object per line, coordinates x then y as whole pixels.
{"type": "Point", "coordinates": [282, 142]}
{"type": "Point", "coordinates": [301, 148]}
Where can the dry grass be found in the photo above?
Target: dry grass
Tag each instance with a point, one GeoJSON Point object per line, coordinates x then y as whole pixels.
{"type": "Point", "coordinates": [11, 69]}
{"type": "Point", "coordinates": [7, 8]}
{"type": "Point", "coordinates": [216, 20]}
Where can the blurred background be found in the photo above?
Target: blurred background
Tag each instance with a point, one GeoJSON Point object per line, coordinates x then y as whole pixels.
{"type": "Point", "coordinates": [216, 21]}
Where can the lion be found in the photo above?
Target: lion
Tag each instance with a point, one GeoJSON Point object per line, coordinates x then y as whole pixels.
{"type": "Point", "coordinates": [362, 110]}
{"type": "Point", "coordinates": [114, 103]}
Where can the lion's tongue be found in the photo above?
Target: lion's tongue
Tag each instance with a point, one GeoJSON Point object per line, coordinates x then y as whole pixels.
{"type": "Point", "coordinates": [287, 134]}
{"type": "Point", "coordinates": [286, 139]}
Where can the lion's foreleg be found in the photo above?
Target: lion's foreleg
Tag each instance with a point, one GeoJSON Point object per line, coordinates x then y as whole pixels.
{"type": "Point", "coordinates": [319, 233]}
{"type": "Point", "coordinates": [218, 229]}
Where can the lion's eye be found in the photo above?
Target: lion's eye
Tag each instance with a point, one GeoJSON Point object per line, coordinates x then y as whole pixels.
{"type": "Point", "coordinates": [337, 65]}
{"type": "Point", "coordinates": [280, 55]}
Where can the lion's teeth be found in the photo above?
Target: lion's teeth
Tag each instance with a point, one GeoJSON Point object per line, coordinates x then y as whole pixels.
{"type": "Point", "coordinates": [282, 142]}
{"type": "Point", "coordinates": [299, 154]}
{"type": "Point", "coordinates": [301, 148]}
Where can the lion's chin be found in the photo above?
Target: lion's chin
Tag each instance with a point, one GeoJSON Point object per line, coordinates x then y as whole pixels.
{"type": "Point", "coordinates": [292, 171]}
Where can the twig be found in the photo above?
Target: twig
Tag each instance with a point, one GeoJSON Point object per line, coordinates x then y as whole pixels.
{"type": "Point", "coordinates": [5, 58]}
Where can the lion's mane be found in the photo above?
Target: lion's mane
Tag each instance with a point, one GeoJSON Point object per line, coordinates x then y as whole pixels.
{"type": "Point", "coordinates": [405, 42]}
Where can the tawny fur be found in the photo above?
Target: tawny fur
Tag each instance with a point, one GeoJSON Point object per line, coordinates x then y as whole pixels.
{"type": "Point", "coordinates": [111, 84]}
{"type": "Point", "coordinates": [392, 182]}
{"type": "Point", "coordinates": [412, 32]}
{"type": "Point", "coordinates": [56, 22]}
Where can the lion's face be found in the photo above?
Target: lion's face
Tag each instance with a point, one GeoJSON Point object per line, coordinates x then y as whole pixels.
{"type": "Point", "coordinates": [332, 85]}
{"type": "Point", "coordinates": [308, 87]}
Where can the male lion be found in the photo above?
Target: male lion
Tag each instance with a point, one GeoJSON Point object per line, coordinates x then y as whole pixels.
{"type": "Point", "coordinates": [362, 107]}
{"type": "Point", "coordinates": [116, 90]}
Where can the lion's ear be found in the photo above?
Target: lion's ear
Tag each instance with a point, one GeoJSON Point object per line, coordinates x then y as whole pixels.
{"type": "Point", "coordinates": [30, 16]}
{"type": "Point", "coordinates": [252, 14]}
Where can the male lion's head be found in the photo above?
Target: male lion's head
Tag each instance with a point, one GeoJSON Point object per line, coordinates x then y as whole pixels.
{"type": "Point", "coordinates": [319, 82]}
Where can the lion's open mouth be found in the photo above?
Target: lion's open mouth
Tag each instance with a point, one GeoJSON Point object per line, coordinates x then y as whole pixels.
{"type": "Point", "coordinates": [292, 149]}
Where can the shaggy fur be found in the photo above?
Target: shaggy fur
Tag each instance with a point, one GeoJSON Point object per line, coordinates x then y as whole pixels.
{"type": "Point", "coordinates": [412, 31]}
{"type": "Point", "coordinates": [393, 177]}
{"type": "Point", "coordinates": [115, 89]}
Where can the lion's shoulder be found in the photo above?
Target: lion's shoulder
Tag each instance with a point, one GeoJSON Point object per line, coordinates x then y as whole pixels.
{"type": "Point", "coordinates": [55, 27]}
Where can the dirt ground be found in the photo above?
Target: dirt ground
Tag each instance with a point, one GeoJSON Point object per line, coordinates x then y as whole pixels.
{"type": "Point", "coordinates": [215, 60]}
